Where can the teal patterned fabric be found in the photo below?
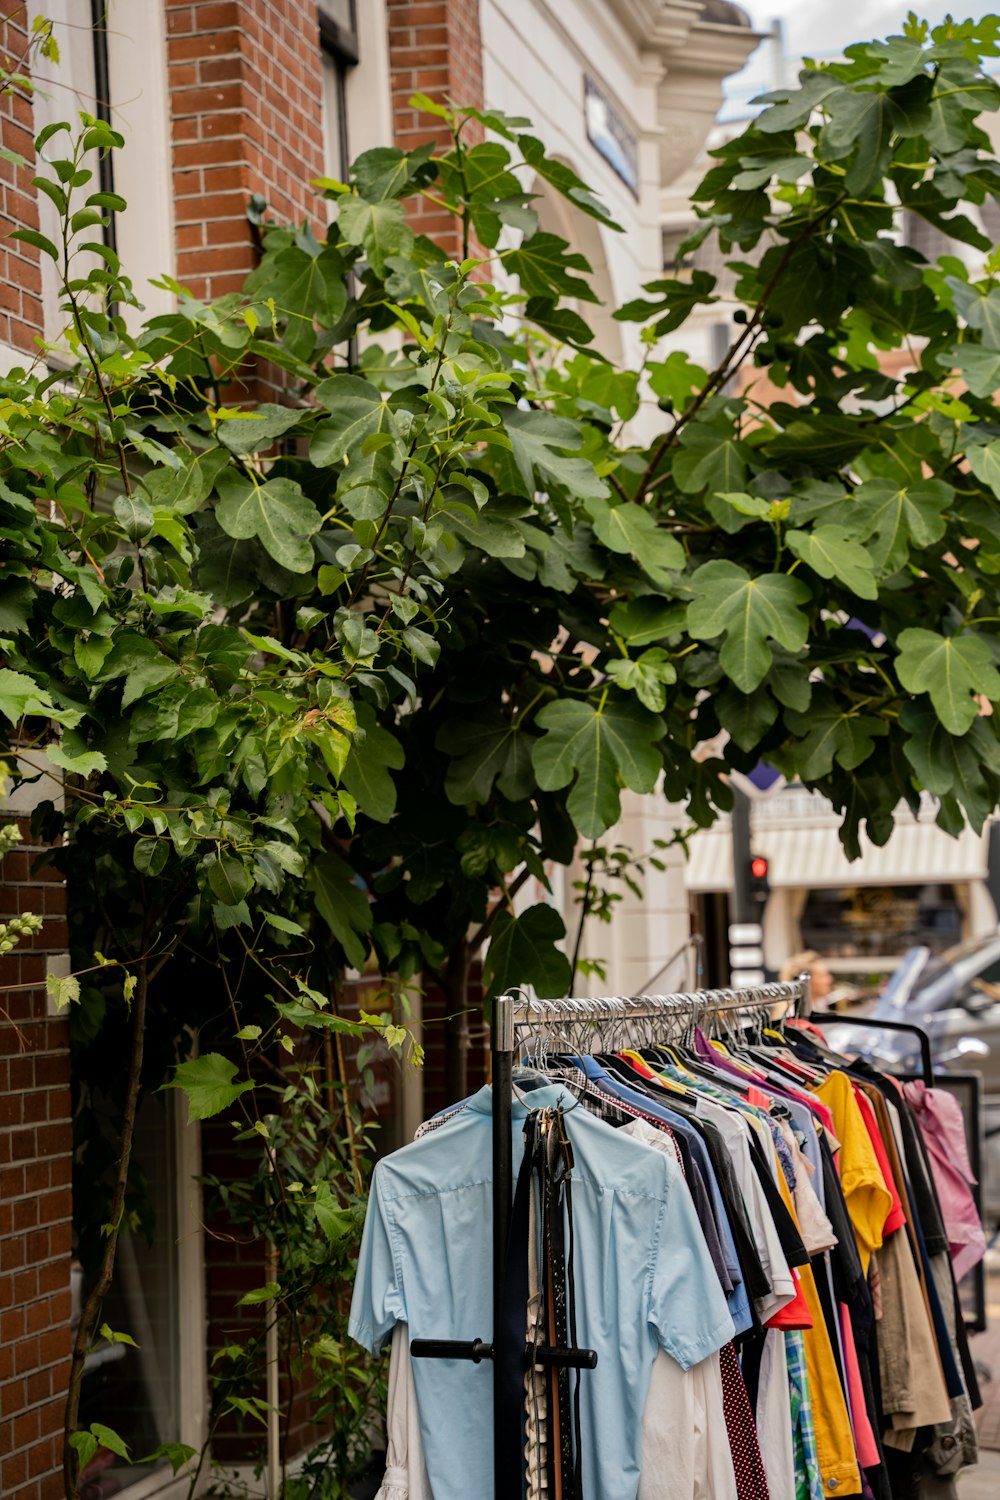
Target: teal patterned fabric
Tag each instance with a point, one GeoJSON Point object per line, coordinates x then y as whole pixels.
{"type": "Point", "coordinates": [808, 1483]}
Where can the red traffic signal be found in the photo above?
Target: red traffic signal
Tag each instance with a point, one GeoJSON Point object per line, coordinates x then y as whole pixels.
{"type": "Point", "coordinates": [759, 885]}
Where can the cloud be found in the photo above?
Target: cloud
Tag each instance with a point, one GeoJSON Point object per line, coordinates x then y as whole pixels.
{"type": "Point", "coordinates": [822, 28]}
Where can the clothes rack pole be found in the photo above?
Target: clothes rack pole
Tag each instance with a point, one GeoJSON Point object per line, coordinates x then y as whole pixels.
{"type": "Point", "coordinates": [510, 1015]}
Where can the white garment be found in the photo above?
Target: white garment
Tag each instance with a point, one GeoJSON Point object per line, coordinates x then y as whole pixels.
{"type": "Point", "coordinates": [405, 1474]}
{"type": "Point", "coordinates": [685, 1443]}
{"type": "Point", "coordinates": [774, 1418]}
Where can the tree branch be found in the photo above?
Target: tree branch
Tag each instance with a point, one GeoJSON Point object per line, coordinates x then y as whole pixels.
{"type": "Point", "coordinates": [510, 891]}
{"type": "Point", "coordinates": [734, 354]}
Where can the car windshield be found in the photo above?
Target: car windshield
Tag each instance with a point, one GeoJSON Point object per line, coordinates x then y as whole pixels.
{"type": "Point", "coordinates": [948, 974]}
{"type": "Point", "coordinates": [967, 949]}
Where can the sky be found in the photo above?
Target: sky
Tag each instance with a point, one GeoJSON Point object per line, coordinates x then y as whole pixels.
{"type": "Point", "coordinates": [821, 28]}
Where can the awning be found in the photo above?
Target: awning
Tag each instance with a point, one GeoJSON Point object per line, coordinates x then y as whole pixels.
{"type": "Point", "coordinates": [810, 855]}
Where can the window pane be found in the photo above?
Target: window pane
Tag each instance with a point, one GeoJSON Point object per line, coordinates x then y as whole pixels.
{"type": "Point", "coordinates": [335, 118]}
{"type": "Point", "coordinates": [341, 11]}
{"type": "Point", "coordinates": [135, 1390]}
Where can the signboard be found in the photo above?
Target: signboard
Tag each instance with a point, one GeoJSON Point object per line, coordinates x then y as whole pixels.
{"type": "Point", "coordinates": [747, 979]}
{"type": "Point", "coordinates": [608, 133]}
{"type": "Point", "coordinates": [762, 781]}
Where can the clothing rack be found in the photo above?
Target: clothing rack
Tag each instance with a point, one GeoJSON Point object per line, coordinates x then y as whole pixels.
{"type": "Point", "coordinates": [838, 1018]}
{"type": "Point", "coordinates": [514, 1015]}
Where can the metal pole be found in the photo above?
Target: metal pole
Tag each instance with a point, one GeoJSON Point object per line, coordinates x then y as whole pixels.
{"type": "Point", "coordinates": [102, 88]}
{"type": "Point", "coordinates": [742, 908]}
{"type": "Point", "coordinates": [502, 1043]}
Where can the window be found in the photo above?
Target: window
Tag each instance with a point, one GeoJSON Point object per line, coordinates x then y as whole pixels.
{"type": "Point", "coordinates": [339, 40]}
{"type": "Point", "coordinates": [672, 240]}
{"type": "Point", "coordinates": [113, 65]}
{"type": "Point", "coordinates": [151, 1391]}
{"type": "Point", "coordinates": [872, 922]}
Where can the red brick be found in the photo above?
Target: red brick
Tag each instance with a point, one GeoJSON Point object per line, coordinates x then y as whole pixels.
{"type": "Point", "coordinates": [219, 16]}
{"type": "Point", "coordinates": [25, 1355]}
{"type": "Point", "coordinates": [60, 1307]}
{"type": "Point", "coordinates": [185, 75]}
{"type": "Point", "coordinates": [205, 101]}
{"type": "Point", "coordinates": [217, 69]}
{"type": "Point", "coordinates": [206, 154]}
{"type": "Point", "coordinates": [180, 19]}
{"type": "Point", "coordinates": [51, 1418]}
{"type": "Point", "coordinates": [61, 1238]}
{"type": "Point", "coordinates": [60, 1172]}
{"type": "Point", "coordinates": [232, 232]}
{"type": "Point", "coordinates": [34, 1107]}
{"type": "Point", "coordinates": [11, 1110]}
{"type": "Point", "coordinates": [25, 1213]}
{"type": "Point", "coordinates": [15, 1469]}
{"type": "Point", "coordinates": [12, 1182]}
{"type": "Point", "coordinates": [52, 1206]}
{"type": "Point", "coordinates": [53, 1345]}
{"type": "Point", "coordinates": [53, 1277]}
{"type": "Point", "coordinates": [53, 1140]}
{"type": "Point", "coordinates": [25, 1429]}
{"type": "Point", "coordinates": [41, 1457]}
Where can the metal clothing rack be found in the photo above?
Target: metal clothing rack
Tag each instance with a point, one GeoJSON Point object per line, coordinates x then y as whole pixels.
{"type": "Point", "coordinates": [879, 1023]}
{"type": "Point", "coordinates": [513, 1016]}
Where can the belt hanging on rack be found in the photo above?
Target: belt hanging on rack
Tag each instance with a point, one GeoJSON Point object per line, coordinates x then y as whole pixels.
{"type": "Point", "coordinates": [508, 1336]}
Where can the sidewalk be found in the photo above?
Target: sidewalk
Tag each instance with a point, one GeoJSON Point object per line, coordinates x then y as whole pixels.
{"type": "Point", "coordinates": [985, 1349]}
{"type": "Point", "coordinates": [983, 1482]}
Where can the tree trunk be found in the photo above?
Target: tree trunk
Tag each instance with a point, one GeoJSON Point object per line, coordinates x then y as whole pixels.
{"type": "Point", "coordinates": [455, 983]}
{"type": "Point", "coordinates": [91, 1311]}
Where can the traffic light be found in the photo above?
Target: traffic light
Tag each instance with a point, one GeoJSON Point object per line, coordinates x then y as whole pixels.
{"type": "Point", "coordinates": [760, 887]}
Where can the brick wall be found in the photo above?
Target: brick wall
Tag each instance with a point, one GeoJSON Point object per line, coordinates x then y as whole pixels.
{"type": "Point", "coordinates": [20, 270]}
{"type": "Point", "coordinates": [436, 1006]}
{"type": "Point", "coordinates": [35, 1193]}
{"type": "Point", "coordinates": [246, 101]}
{"type": "Point", "coordinates": [435, 48]}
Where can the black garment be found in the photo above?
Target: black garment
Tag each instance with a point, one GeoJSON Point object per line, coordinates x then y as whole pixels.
{"type": "Point", "coordinates": [704, 1208]}
{"type": "Point", "coordinates": [844, 1257]}
{"type": "Point", "coordinates": [754, 1276]}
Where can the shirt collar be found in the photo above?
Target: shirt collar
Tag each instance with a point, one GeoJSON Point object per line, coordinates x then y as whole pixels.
{"type": "Point", "coordinates": [551, 1096]}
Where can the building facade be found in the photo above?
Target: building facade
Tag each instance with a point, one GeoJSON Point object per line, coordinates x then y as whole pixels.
{"type": "Point", "coordinates": [221, 101]}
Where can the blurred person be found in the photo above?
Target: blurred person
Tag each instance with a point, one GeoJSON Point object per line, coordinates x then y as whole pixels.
{"type": "Point", "coordinates": [812, 963]}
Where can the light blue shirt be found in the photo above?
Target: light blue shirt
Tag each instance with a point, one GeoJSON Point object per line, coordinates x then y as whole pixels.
{"type": "Point", "coordinates": [737, 1300]}
{"type": "Point", "coordinates": [644, 1280]}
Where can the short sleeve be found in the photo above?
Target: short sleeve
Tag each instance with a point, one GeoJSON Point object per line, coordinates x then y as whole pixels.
{"type": "Point", "coordinates": [687, 1307]}
{"type": "Point", "coordinates": [377, 1304]}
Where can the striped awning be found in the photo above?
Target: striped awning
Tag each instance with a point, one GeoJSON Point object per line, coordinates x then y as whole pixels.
{"type": "Point", "coordinates": [809, 854]}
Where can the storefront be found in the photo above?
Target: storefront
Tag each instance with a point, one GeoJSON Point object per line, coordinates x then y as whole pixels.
{"type": "Point", "coordinates": [923, 886]}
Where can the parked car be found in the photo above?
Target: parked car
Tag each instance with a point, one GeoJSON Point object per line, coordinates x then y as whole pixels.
{"type": "Point", "coordinates": [955, 997]}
